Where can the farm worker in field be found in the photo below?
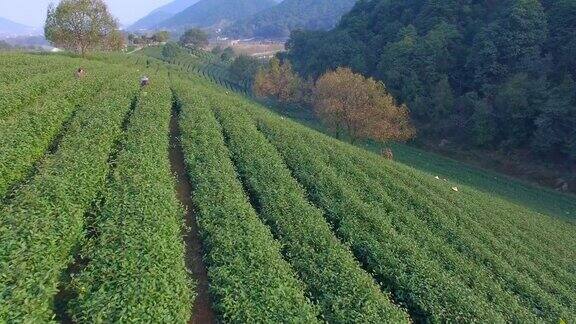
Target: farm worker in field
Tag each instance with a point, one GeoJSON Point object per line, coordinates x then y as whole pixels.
{"type": "Point", "coordinates": [80, 73]}
{"type": "Point", "coordinates": [387, 153]}
{"type": "Point", "coordinates": [144, 81]}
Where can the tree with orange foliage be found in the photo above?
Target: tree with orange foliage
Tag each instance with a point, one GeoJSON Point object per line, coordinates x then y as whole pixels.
{"type": "Point", "coordinates": [362, 108]}
{"type": "Point", "coordinates": [279, 81]}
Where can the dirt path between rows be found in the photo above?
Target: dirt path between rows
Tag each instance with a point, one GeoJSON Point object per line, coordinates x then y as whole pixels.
{"type": "Point", "coordinates": [202, 312]}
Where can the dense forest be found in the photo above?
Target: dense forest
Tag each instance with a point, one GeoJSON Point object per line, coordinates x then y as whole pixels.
{"type": "Point", "coordinates": [483, 73]}
{"type": "Point", "coordinates": [280, 20]}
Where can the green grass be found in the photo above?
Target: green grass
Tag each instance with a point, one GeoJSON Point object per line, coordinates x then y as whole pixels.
{"type": "Point", "coordinates": [20, 94]}
{"type": "Point", "coordinates": [43, 225]}
{"type": "Point", "coordinates": [30, 130]}
{"type": "Point", "coordinates": [483, 245]}
{"type": "Point", "coordinates": [537, 198]}
{"type": "Point", "coordinates": [344, 291]}
{"type": "Point", "coordinates": [200, 63]}
{"type": "Point", "coordinates": [402, 202]}
{"type": "Point", "coordinates": [296, 226]}
{"type": "Point", "coordinates": [447, 256]}
{"type": "Point", "coordinates": [136, 268]}
{"type": "Point", "coordinates": [250, 280]}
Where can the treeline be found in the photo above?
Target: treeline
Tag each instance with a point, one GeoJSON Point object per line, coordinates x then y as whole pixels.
{"type": "Point", "coordinates": [496, 75]}
{"type": "Point", "coordinates": [347, 103]}
{"type": "Point", "coordinates": [5, 46]}
{"type": "Point", "coordinates": [149, 39]}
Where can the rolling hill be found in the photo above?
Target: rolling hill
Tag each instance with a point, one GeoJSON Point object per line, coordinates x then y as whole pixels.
{"type": "Point", "coordinates": [208, 13]}
{"type": "Point", "coordinates": [280, 20]}
{"type": "Point", "coordinates": [10, 28]}
{"type": "Point", "coordinates": [184, 201]}
{"type": "Point", "coordinates": [150, 21]}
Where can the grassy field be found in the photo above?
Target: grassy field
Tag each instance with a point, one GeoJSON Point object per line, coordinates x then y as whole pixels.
{"type": "Point", "coordinates": [293, 225]}
{"type": "Point", "coordinates": [201, 63]}
{"type": "Point", "coordinates": [539, 199]}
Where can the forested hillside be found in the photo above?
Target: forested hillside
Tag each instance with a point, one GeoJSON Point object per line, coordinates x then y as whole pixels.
{"type": "Point", "coordinates": [206, 13]}
{"type": "Point", "coordinates": [490, 74]}
{"type": "Point", "coordinates": [290, 15]}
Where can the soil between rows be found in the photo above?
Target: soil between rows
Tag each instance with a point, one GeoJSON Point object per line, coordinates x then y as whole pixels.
{"type": "Point", "coordinates": [202, 312]}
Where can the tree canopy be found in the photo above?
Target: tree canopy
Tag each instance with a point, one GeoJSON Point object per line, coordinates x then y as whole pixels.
{"type": "Point", "coordinates": [161, 36]}
{"type": "Point", "coordinates": [82, 26]}
{"type": "Point", "coordinates": [362, 107]}
{"type": "Point", "coordinates": [484, 73]}
{"type": "Point", "coordinates": [346, 102]}
{"type": "Point", "coordinates": [278, 80]}
{"type": "Point", "coordinates": [170, 51]}
{"type": "Point", "coordinates": [244, 68]}
{"type": "Point", "coordinates": [194, 38]}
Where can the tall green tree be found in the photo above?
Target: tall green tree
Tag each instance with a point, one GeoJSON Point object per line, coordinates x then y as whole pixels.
{"type": "Point", "coordinates": [562, 41]}
{"type": "Point", "coordinates": [520, 33]}
{"type": "Point", "coordinates": [244, 68]}
{"type": "Point", "coordinates": [442, 98]}
{"type": "Point", "coordinates": [161, 36]}
{"type": "Point", "coordinates": [194, 38]}
{"type": "Point", "coordinates": [556, 125]}
{"type": "Point", "coordinates": [82, 26]}
{"type": "Point", "coordinates": [483, 62]}
{"type": "Point", "coordinates": [227, 54]}
{"type": "Point", "coordinates": [482, 127]}
{"type": "Point", "coordinates": [516, 105]}
{"type": "Point", "coordinates": [170, 51]}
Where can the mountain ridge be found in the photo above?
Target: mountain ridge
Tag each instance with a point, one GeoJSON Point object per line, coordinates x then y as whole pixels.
{"type": "Point", "coordinates": [11, 28]}
{"type": "Point", "coordinates": [289, 15]}
{"type": "Point", "coordinates": [161, 14]}
{"type": "Point", "coordinates": [206, 13]}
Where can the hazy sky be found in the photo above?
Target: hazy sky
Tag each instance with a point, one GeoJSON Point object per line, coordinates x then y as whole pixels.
{"type": "Point", "coordinates": [33, 12]}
